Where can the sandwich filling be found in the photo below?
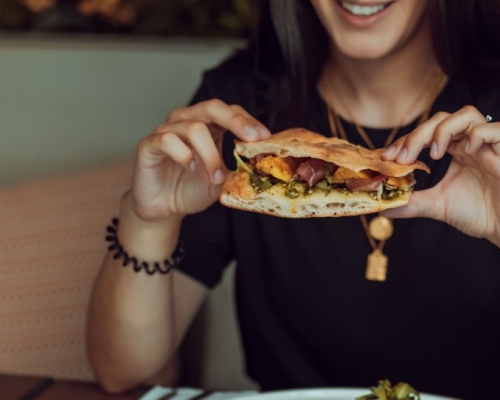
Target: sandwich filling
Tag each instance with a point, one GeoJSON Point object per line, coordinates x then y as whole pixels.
{"type": "Point", "coordinates": [304, 176]}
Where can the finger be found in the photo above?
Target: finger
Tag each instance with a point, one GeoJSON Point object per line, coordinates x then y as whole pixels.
{"type": "Point", "coordinates": [438, 132]}
{"type": "Point", "coordinates": [229, 118]}
{"type": "Point", "coordinates": [483, 134]}
{"type": "Point", "coordinates": [455, 127]}
{"type": "Point", "coordinates": [182, 142]}
{"type": "Point", "coordinates": [423, 136]}
{"type": "Point", "coordinates": [202, 142]}
{"type": "Point", "coordinates": [264, 132]}
{"type": "Point", "coordinates": [406, 149]}
{"type": "Point", "coordinates": [393, 151]}
{"type": "Point", "coordinates": [154, 148]}
{"type": "Point", "coordinates": [198, 137]}
{"type": "Point", "coordinates": [241, 110]}
{"type": "Point", "coordinates": [422, 204]}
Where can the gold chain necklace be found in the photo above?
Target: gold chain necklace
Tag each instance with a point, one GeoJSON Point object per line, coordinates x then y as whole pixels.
{"type": "Point", "coordinates": [380, 228]}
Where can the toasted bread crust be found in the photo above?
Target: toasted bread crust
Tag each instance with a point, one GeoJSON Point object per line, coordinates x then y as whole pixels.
{"type": "Point", "coordinates": [303, 143]}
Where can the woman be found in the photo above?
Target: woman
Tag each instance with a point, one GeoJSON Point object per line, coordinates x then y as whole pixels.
{"type": "Point", "coordinates": [307, 315]}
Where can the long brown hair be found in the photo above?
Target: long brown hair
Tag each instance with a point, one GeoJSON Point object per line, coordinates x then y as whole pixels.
{"type": "Point", "coordinates": [290, 46]}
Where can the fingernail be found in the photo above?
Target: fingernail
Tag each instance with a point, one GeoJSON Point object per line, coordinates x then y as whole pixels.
{"type": "Point", "coordinates": [218, 177]}
{"type": "Point", "coordinates": [192, 166]}
{"type": "Point", "coordinates": [251, 132]}
{"type": "Point", "coordinates": [403, 154]}
{"type": "Point", "coordinates": [434, 149]}
{"type": "Point", "coordinates": [467, 147]}
{"type": "Point", "coordinates": [390, 151]}
{"type": "Point", "coordinates": [264, 132]}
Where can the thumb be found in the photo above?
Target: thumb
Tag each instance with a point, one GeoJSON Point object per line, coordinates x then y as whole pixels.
{"type": "Point", "coordinates": [422, 204]}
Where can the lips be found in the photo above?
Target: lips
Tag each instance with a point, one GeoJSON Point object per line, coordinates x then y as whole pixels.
{"type": "Point", "coordinates": [363, 10]}
{"type": "Point", "coordinates": [360, 14]}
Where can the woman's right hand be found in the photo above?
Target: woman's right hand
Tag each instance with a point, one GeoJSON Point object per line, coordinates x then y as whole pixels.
{"type": "Point", "coordinates": [179, 169]}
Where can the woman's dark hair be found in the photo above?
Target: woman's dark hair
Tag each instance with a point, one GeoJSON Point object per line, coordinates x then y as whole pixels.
{"type": "Point", "coordinates": [291, 46]}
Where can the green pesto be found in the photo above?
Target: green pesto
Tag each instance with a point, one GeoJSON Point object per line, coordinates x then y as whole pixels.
{"type": "Point", "coordinates": [294, 190]}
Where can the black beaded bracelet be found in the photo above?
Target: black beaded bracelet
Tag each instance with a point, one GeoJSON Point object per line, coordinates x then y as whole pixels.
{"type": "Point", "coordinates": [162, 268]}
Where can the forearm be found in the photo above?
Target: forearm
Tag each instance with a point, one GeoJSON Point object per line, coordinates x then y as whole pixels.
{"type": "Point", "coordinates": [130, 329]}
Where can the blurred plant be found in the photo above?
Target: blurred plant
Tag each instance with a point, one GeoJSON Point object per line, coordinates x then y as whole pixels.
{"type": "Point", "coordinates": [197, 17]}
{"type": "Point", "coordinates": [38, 6]}
{"type": "Point", "coordinates": [115, 11]}
{"type": "Point", "coordinates": [161, 17]}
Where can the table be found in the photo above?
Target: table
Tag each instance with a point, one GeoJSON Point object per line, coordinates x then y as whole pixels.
{"type": "Point", "coordinates": [32, 388]}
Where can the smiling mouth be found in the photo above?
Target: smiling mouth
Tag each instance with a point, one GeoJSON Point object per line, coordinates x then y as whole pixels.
{"type": "Point", "coordinates": [365, 10]}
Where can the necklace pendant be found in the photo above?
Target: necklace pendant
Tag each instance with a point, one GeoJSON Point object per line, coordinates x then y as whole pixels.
{"type": "Point", "coordinates": [376, 267]}
{"type": "Point", "coordinates": [381, 228]}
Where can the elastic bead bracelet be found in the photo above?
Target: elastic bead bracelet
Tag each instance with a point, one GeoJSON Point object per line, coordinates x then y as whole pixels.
{"type": "Point", "coordinates": [160, 267]}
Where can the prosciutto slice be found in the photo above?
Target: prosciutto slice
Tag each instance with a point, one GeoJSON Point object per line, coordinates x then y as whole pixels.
{"type": "Point", "coordinates": [312, 171]}
{"type": "Point", "coordinates": [365, 185]}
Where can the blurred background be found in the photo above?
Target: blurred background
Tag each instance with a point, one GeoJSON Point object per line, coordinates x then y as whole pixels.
{"type": "Point", "coordinates": [81, 82]}
{"type": "Point", "coordinates": [221, 18]}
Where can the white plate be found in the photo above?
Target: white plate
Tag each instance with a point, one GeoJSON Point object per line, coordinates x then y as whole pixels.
{"type": "Point", "coordinates": [324, 394]}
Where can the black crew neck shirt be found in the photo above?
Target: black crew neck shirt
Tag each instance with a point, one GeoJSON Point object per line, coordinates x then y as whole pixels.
{"type": "Point", "coordinates": [307, 315]}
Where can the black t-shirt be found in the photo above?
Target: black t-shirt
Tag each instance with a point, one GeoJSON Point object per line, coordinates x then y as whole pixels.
{"type": "Point", "coordinates": [307, 315]}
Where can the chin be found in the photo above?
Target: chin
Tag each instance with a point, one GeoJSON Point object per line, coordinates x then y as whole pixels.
{"type": "Point", "coordinates": [368, 48]}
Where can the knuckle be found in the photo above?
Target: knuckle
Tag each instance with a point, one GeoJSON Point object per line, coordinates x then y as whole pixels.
{"type": "Point", "coordinates": [469, 109]}
{"type": "Point", "coordinates": [410, 140]}
{"type": "Point", "coordinates": [195, 128]}
{"type": "Point", "coordinates": [440, 130]}
{"type": "Point", "coordinates": [237, 107]}
{"type": "Point", "coordinates": [143, 143]}
{"type": "Point", "coordinates": [416, 135]}
{"type": "Point", "coordinates": [160, 128]}
{"type": "Point", "coordinates": [172, 115]}
{"type": "Point", "coordinates": [214, 104]}
{"type": "Point", "coordinates": [175, 115]}
{"type": "Point", "coordinates": [441, 115]}
{"type": "Point", "coordinates": [166, 139]}
{"type": "Point", "coordinates": [475, 132]}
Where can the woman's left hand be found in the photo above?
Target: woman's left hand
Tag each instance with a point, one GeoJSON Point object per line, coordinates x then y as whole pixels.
{"type": "Point", "coordinates": [468, 197]}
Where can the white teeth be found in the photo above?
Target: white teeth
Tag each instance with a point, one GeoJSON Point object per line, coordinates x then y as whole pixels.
{"type": "Point", "coordinates": [363, 11]}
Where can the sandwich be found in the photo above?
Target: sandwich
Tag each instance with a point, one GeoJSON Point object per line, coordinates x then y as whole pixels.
{"type": "Point", "coordinates": [301, 174]}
